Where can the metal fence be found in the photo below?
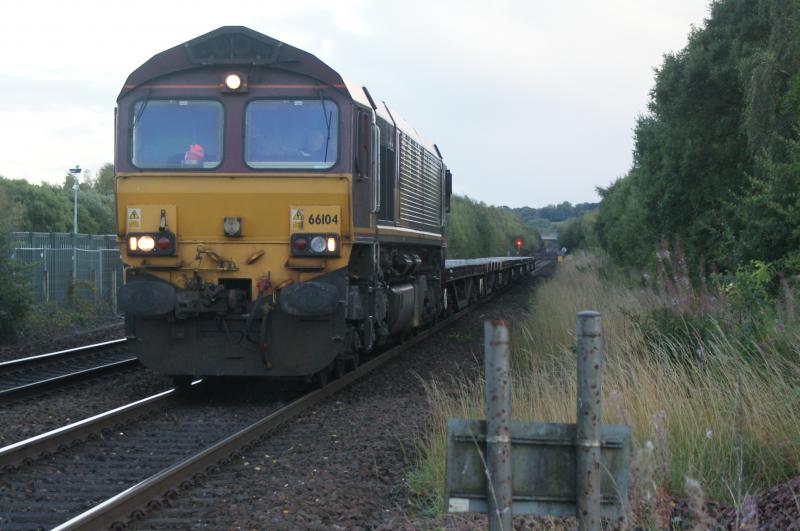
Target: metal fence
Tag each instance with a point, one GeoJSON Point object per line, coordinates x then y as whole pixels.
{"type": "Point", "coordinates": [62, 266]}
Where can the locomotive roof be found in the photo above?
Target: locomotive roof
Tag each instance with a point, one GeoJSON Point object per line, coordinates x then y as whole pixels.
{"type": "Point", "coordinates": [241, 46]}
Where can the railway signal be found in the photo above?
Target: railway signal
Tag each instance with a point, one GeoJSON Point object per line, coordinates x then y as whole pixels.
{"type": "Point", "coordinates": [518, 243]}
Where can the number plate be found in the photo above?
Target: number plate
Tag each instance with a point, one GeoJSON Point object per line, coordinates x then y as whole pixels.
{"type": "Point", "coordinates": [315, 219]}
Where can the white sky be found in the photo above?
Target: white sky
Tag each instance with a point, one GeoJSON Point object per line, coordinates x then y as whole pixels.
{"type": "Point", "coordinates": [531, 102]}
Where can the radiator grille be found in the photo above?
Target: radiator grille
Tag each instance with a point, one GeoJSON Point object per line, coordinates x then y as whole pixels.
{"type": "Point", "coordinates": [420, 185]}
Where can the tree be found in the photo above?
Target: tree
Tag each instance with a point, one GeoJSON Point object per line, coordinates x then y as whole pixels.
{"type": "Point", "coordinates": [14, 297]}
{"type": "Point", "coordinates": [714, 164]}
{"type": "Point", "coordinates": [104, 183]}
{"type": "Point", "coordinates": [477, 230]}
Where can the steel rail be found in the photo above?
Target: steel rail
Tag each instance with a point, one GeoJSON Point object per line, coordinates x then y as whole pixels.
{"type": "Point", "coordinates": [19, 391]}
{"type": "Point", "coordinates": [15, 393]}
{"type": "Point", "coordinates": [12, 365]}
{"type": "Point", "coordinates": [126, 506]}
{"type": "Point", "coordinates": [60, 438]}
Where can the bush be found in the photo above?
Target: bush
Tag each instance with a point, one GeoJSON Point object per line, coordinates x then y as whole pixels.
{"type": "Point", "coordinates": [578, 233]}
{"type": "Point", "coordinates": [14, 296]}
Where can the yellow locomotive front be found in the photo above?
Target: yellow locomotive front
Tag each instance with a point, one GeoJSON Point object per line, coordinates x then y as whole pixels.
{"type": "Point", "coordinates": [235, 177]}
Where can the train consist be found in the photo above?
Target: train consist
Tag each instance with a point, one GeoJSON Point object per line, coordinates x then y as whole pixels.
{"type": "Point", "coordinates": [274, 218]}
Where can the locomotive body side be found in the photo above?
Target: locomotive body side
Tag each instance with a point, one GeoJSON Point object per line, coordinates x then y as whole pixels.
{"type": "Point", "coordinates": [251, 248]}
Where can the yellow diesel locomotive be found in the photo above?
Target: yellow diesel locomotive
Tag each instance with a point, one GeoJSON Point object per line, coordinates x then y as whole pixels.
{"type": "Point", "coordinates": [274, 218]}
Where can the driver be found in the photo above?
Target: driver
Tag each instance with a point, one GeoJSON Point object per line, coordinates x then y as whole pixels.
{"type": "Point", "coordinates": [314, 146]}
{"type": "Point", "coordinates": [194, 156]}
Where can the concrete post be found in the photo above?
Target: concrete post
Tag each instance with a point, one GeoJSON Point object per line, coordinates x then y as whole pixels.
{"type": "Point", "coordinates": [45, 280]}
{"type": "Point", "coordinates": [114, 291]}
{"type": "Point", "coordinates": [498, 423]}
{"type": "Point", "coordinates": [587, 440]}
{"type": "Point", "coordinates": [100, 268]}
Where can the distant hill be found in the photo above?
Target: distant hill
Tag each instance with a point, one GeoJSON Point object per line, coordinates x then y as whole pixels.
{"type": "Point", "coordinates": [545, 219]}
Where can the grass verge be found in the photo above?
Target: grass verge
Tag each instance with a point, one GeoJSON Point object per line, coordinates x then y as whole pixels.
{"type": "Point", "coordinates": [716, 409]}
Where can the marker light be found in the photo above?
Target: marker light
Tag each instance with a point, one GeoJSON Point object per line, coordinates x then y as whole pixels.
{"type": "Point", "coordinates": [146, 243]}
{"type": "Point", "coordinates": [132, 243]}
{"type": "Point", "coordinates": [163, 243]}
{"type": "Point", "coordinates": [300, 244]}
{"type": "Point", "coordinates": [331, 244]}
{"type": "Point", "coordinates": [318, 244]}
{"type": "Point", "coordinates": [233, 81]}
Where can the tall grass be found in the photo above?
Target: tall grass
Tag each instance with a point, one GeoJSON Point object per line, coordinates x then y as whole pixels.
{"type": "Point", "coordinates": [728, 421]}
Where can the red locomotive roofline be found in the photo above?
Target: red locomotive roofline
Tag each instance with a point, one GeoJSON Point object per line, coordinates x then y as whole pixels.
{"type": "Point", "coordinates": [255, 50]}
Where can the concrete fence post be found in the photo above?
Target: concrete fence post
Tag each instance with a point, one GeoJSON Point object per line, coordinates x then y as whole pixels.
{"type": "Point", "coordinates": [587, 439]}
{"type": "Point", "coordinates": [498, 423]}
{"type": "Point", "coordinates": [45, 279]}
{"type": "Point", "coordinates": [100, 274]}
{"type": "Point", "coordinates": [114, 292]}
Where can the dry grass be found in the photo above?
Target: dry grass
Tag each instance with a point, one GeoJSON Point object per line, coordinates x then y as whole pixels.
{"type": "Point", "coordinates": [731, 425]}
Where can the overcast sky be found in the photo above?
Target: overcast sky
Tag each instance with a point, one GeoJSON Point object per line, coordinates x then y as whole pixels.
{"type": "Point", "coordinates": [531, 102]}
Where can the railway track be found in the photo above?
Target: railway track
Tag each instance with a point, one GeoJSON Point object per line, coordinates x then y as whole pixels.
{"type": "Point", "coordinates": [27, 376]}
{"type": "Point", "coordinates": [105, 471]}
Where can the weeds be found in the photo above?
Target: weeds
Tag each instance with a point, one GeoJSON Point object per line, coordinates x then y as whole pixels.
{"type": "Point", "coordinates": [48, 319]}
{"type": "Point", "coordinates": [710, 403]}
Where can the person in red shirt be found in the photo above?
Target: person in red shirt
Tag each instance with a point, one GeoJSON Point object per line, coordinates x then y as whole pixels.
{"type": "Point", "coordinates": [194, 156]}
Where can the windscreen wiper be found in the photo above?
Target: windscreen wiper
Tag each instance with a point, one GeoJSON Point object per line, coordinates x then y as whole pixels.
{"type": "Point", "coordinates": [142, 108]}
{"type": "Point", "coordinates": [328, 117]}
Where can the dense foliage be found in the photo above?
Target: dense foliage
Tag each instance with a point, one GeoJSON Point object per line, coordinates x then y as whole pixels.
{"type": "Point", "coordinates": [14, 299]}
{"type": "Point", "coordinates": [717, 157]}
{"type": "Point", "coordinates": [475, 230]}
{"type": "Point", "coordinates": [578, 232]}
{"type": "Point", "coordinates": [559, 212]}
{"type": "Point", "coordinates": [48, 208]}
{"type": "Point", "coordinates": [547, 220]}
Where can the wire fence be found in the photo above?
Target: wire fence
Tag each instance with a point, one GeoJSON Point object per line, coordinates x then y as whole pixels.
{"type": "Point", "coordinates": [62, 267]}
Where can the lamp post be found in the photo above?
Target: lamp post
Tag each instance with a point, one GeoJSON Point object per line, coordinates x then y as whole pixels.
{"type": "Point", "coordinates": [75, 172]}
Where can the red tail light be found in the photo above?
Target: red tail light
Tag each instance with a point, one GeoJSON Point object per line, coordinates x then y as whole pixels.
{"type": "Point", "coordinates": [163, 243]}
{"type": "Point", "coordinates": [300, 244]}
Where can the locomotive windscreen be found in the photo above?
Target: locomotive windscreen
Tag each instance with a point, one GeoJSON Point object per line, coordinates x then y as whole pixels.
{"type": "Point", "coordinates": [177, 134]}
{"type": "Point", "coordinates": [296, 133]}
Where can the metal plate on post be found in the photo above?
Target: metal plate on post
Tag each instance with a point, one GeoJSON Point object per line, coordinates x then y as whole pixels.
{"type": "Point", "coordinates": [543, 464]}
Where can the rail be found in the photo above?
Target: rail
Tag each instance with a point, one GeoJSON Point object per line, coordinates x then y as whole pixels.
{"type": "Point", "coordinates": [34, 374]}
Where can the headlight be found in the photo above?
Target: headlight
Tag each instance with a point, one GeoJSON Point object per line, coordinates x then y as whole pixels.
{"type": "Point", "coordinates": [146, 243]}
{"type": "Point", "coordinates": [318, 244]}
{"type": "Point", "coordinates": [151, 244]}
{"type": "Point", "coordinates": [233, 81]}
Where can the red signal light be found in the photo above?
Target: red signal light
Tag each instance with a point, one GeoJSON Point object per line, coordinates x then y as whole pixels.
{"type": "Point", "coordinates": [518, 243]}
